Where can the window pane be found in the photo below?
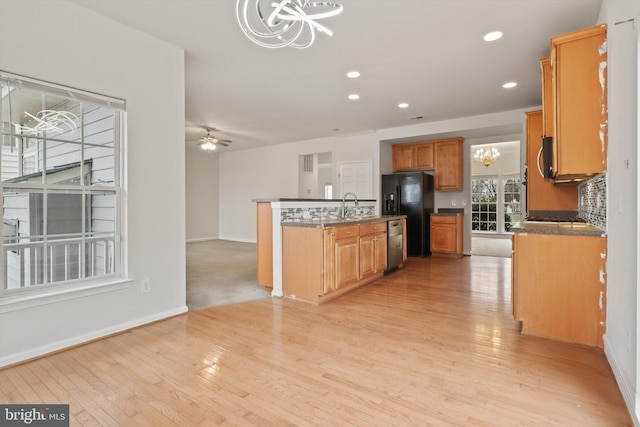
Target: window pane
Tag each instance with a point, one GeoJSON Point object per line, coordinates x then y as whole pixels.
{"type": "Point", "coordinates": [63, 227]}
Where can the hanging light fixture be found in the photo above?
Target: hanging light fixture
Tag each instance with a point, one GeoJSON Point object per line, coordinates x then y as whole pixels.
{"type": "Point", "coordinates": [487, 156]}
{"type": "Point", "coordinates": [286, 23]}
{"type": "Point", "coordinates": [208, 144]}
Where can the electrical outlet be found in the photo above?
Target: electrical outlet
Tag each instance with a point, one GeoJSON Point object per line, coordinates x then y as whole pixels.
{"type": "Point", "coordinates": [146, 286]}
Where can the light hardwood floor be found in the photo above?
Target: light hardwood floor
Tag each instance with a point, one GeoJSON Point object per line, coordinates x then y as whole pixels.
{"type": "Point", "coordinates": [433, 344]}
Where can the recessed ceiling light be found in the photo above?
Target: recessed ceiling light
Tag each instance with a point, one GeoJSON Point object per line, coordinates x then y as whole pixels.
{"type": "Point", "coordinates": [492, 36]}
{"type": "Point", "coordinates": [403, 105]}
{"type": "Point", "coordinates": [353, 74]}
{"type": "Point", "coordinates": [354, 96]}
{"type": "Point", "coordinates": [509, 85]}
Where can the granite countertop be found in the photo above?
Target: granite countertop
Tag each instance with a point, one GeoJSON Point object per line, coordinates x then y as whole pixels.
{"type": "Point", "coordinates": [294, 199]}
{"type": "Point", "coordinates": [331, 222]}
{"type": "Point", "coordinates": [446, 213]}
{"type": "Point", "coordinates": [571, 228]}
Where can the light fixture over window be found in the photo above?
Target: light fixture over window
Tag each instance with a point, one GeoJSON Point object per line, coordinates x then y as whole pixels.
{"type": "Point", "coordinates": [486, 156]}
{"type": "Point", "coordinates": [274, 24]}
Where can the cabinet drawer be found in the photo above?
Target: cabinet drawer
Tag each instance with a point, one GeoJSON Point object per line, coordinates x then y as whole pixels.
{"type": "Point", "coordinates": [443, 219]}
{"type": "Point", "coordinates": [372, 228]}
{"type": "Point", "coordinates": [347, 231]}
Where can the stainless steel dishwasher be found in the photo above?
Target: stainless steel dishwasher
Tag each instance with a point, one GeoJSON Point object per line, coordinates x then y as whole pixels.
{"type": "Point", "coordinates": [394, 244]}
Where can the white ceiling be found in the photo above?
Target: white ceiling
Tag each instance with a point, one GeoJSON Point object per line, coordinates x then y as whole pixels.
{"type": "Point", "coordinates": [429, 53]}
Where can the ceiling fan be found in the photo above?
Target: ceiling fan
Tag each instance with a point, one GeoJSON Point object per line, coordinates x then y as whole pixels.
{"type": "Point", "coordinates": [210, 142]}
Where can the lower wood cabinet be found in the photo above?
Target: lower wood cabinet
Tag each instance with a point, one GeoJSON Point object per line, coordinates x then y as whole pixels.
{"type": "Point", "coordinates": [373, 248]}
{"type": "Point", "coordinates": [446, 234]}
{"type": "Point", "coordinates": [322, 263]}
{"type": "Point", "coordinates": [559, 286]}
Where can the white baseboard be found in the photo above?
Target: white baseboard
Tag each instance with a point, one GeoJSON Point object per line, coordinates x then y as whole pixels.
{"type": "Point", "coordinates": [202, 239]}
{"type": "Point", "coordinates": [232, 239]}
{"type": "Point", "coordinates": [627, 390]}
{"type": "Point", "coordinates": [10, 359]}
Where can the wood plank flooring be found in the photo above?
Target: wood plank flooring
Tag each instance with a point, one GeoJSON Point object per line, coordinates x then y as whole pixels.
{"type": "Point", "coordinates": [432, 344]}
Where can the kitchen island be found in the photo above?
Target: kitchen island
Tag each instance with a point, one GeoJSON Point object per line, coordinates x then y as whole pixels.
{"type": "Point", "coordinates": [325, 258]}
{"type": "Point", "coordinates": [273, 213]}
{"type": "Point", "coordinates": [559, 281]}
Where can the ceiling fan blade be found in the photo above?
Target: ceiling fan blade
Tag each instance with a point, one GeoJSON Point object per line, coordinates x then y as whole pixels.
{"type": "Point", "coordinates": [225, 140]}
{"type": "Point", "coordinates": [219, 142]}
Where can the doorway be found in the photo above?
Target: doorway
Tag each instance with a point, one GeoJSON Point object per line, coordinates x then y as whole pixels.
{"type": "Point", "coordinates": [496, 191]}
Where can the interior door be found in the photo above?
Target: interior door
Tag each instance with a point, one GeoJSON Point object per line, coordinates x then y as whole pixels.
{"type": "Point", "coordinates": [356, 177]}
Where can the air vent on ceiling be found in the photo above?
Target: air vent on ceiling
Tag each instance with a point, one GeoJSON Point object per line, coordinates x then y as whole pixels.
{"type": "Point", "coordinates": [416, 117]}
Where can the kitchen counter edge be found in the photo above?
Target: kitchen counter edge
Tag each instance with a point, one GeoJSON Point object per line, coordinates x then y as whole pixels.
{"type": "Point", "coordinates": [332, 222]}
{"type": "Point", "coordinates": [588, 230]}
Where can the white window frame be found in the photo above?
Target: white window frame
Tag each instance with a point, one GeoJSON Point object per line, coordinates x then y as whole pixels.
{"type": "Point", "coordinates": [29, 296]}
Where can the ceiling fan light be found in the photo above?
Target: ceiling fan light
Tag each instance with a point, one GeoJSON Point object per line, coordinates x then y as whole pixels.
{"type": "Point", "coordinates": [208, 146]}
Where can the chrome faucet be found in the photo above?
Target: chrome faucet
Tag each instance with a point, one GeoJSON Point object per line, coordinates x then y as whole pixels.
{"type": "Point", "coordinates": [344, 199]}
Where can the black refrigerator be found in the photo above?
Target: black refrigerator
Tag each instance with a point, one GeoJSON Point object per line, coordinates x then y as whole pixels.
{"type": "Point", "coordinates": [411, 194]}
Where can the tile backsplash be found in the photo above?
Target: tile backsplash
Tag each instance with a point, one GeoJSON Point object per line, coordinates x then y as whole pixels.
{"type": "Point", "coordinates": [592, 201]}
{"type": "Point", "coordinates": [311, 213]}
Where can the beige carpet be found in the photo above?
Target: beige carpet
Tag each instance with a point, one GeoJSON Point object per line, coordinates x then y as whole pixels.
{"type": "Point", "coordinates": [221, 272]}
{"type": "Point", "coordinates": [491, 246]}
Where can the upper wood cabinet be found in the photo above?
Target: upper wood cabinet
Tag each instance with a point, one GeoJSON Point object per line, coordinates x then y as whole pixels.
{"type": "Point", "coordinates": [579, 90]}
{"type": "Point", "coordinates": [543, 194]}
{"type": "Point", "coordinates": [423, 154]}
{"type": "Point", "coordinates": [403, 157]}
{"type": "Point", "coordinates": [548, 104]}
{"type": "Point", "coordinates": [444, 156]}
{"type": "Point", "coordinates": [448, 164]}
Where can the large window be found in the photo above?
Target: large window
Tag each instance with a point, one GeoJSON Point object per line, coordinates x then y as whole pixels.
{"type": "Point", "coordinates": [60, 170]}
{"type": "Point", "coordinates": [495, 203]}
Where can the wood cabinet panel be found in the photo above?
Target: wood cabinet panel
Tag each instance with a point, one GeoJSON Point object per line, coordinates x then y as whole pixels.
{"type": "Point", "coordinates": [543, 194]}
{"type": "Point", "coordinates": [578, 61]}
{"type": "Point", "coordinates": [403, 159]}
{"type": "Point", "coordinates": [347, 261]}
{"type": "Point", "coordinates": [373, 249]}
{"type": "Point", "coordinates": [559, 285]}
{"type": "Point", "coordinates": [446, 234]}
{"type": "Point", "coordinates": [264, 247]}
{"type": "Point", "coordinates": [548, 103]}
{"type": "Point", "coordinates": [423, 153]}
{"type": "Point", "coordinates": [448, 164]}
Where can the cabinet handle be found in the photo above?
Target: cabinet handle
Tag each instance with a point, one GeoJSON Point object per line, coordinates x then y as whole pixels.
{"type": "Point", "coordinates": [538, 162]}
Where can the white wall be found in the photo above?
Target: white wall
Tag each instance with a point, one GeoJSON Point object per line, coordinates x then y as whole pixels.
{"type": "Point", "coordinates": [67, 44]}
{"type": "Point", "coordinates": [271, 172]}
{"type": "Point", "coordinates": [202, 194]}
{"type": "Point", "coordinates": [621, 339]}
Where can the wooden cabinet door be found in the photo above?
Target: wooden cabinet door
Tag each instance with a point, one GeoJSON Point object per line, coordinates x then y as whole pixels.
{"type": "Point", "coordinates": [443, 238]}
{"type": "Point", "coordinates": [548, 103]}
{"type": "Point", "coordinates": [423, 153]}
{"type": "Point", "coordinates": [380, 253]}
{"type": "Point", "coordinates": [329, 261]}
{"type": "Point", "coordinates": [448, 164]}
{"type": "Point", "coordinates": [347, 261]}
{"type": "Point", "coordinates": [367, 256]}
{"type": "Point", "coordinates": [579, 67]}
{"type": "Point", "coordinates": [560, 286]}
{"type": "Point", "coordinates": [544, 194]}
{"type": "Point", "coordinates": [402, 157]}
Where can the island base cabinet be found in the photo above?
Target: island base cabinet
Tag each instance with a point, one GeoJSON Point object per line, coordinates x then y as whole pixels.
{"type": "Point", "coordinates": [559, 286]}
{"type": "Point", "coordinates": [320, 264]}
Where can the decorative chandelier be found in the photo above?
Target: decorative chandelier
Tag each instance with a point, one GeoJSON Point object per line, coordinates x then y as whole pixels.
{"type": "Point", "coordinates": [286, 23]}
{"type": "Point", "coordinates": [487, 156]}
